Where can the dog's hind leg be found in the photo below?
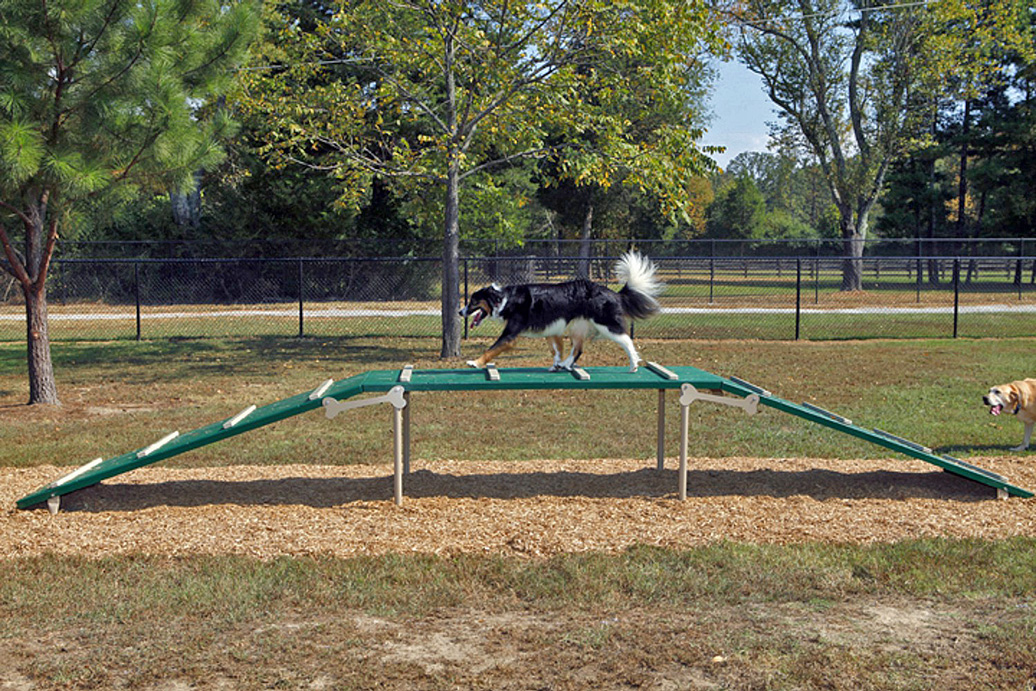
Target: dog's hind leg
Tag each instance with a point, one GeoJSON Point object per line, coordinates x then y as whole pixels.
{"type": "Point", "coordinates": [556, 346]}
{"type": "Point", "coordinates": [624, 340]}
{"type": "Point", "coordinates": [631, 350]}
{"type": "Point", "coordinates": [1025, 441]}
{"type": "Point", "coordinates": [578, 333]}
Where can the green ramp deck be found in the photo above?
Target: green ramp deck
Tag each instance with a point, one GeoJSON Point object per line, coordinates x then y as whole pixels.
{"type": "Point", "coordinates": [652, 377]}
{"type": "Point", "coordinates": [879, 437]}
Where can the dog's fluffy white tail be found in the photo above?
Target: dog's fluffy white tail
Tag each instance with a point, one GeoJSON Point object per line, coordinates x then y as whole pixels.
{"type": "Point", "coordinates": [640, 288]}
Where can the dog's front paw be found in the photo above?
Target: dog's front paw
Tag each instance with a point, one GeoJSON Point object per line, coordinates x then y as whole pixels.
{"type": "Point", "coordinates": [1023, 447]}
{"type": "Point", "coordinates": [473, 363]}
{"type": "Point", "coordinates": [633, 369]}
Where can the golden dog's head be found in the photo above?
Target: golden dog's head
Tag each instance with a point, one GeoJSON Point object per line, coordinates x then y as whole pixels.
{"type": "Point", "coordinates": [1011, 397]}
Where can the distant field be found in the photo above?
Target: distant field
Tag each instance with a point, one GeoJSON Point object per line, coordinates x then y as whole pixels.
{"type": "Point", "coordinates": [689, 311]}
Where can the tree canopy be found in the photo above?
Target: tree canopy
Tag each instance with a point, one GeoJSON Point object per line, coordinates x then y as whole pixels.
{"type": "Point", "coordinates": [98, 97]}
{"type": "Point", "coordinates": [435, 96]}
{"type": "Point", "coordinates": [856, 83]}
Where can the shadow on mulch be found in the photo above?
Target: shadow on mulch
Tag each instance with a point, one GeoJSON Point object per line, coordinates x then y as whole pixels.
{"type": "Point", "coordinates": [819, 484]}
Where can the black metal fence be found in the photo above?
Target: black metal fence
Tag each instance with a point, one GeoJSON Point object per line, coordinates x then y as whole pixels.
{"type": "Point", "coordinates": [364, 248]}
{"type": "Point", "coordinates": [710, 297]}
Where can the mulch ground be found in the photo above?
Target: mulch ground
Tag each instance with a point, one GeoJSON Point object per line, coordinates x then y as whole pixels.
{"type": "Point", "coordinates": [534, 508]}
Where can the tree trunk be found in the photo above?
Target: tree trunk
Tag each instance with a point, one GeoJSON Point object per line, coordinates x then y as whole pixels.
{"type": "Point", "coordinates": [852, 253]}
{"type": "Point", "coordinates": [42, 386]}
{"type": "Point", "coordinates": [962, 181]}
{"type": "Point", "coordinates": [186, 206]}
{"type": "Point", "coordinates": [584, 241]}
{"type": "Point", "coordinates": [451, 328]}
{"type": "Point", "coordinates": [853, 236]}
{"type": "Point", "coordinates": [931, 199]}
{"type": "Point", "coordinates": [933, 264]}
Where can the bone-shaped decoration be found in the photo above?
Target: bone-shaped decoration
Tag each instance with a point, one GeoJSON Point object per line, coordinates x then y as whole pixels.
{"type": "Point", "coordinates": [332, 406]}
{"type": "Point", "coordinates": [689, 394]}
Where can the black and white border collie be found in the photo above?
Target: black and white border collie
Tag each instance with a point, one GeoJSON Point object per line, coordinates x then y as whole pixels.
{"type": "Point", "coordinates": [580, 308]}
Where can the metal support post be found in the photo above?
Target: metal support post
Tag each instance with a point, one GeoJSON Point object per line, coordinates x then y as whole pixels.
{"type": "Point", "coordinates": [397, 448]}
{"type": "Point", "coordinates": [406, 433]}
{"type": "Point", "coordinates": [688, 395]}
{"type": "Point", "coordinates": [685, 417]}
{"type": "Point", "coordinates": [661, 429]}
{"type": "Point", "coordinates": [399, 399]}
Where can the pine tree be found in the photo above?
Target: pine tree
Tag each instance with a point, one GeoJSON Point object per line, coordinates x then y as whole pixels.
{"type": "Point", "coordinates": [97, 98]}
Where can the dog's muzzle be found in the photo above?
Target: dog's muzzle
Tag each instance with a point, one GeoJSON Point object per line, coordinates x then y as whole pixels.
{"type": "Point", "coordinates": [477, 315]}
{"type": "Point", "coordinates": [995, 407]}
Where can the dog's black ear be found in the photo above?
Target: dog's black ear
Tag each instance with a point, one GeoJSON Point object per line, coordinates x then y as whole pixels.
{"type": "Point", "coordinates": [493, 295]}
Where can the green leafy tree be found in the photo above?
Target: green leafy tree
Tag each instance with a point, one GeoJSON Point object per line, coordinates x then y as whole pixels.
{"type": "Point", "coordinates": [433, 96]}
{"type": "Point", "coordinates": [97, 96]}
{"type": "Point", "coordinates": [972, 42]}
{"type": "Point", "coordinates": [970, 178]}
{"type": "Point", "coordinates": [647, 185]}
{"type": "Point", "coordinates": [738, 212]}
{"type": "Point", "coordinates": [856, 82]}
{"type": "Point", "coordinates": [796, 202]}
{"type": "Point", "coordinates": [845, 79]}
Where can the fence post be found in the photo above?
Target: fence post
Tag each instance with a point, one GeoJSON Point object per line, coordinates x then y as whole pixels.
{"type": "Point", "coordinates": [1018, 268]}
{"type": "Point", "coordinates": [712, 279]}
{"type": "Point", "coordinates": [136, 293]}
{"type": "Point", "coordinates": [302, 330]}
{"type": "Point", "coordinates": [956, 293]}
{"type": "Point", "coordinates": [798, 296]}
{"type": "Point", "coordinates": [465, 260]}
{"type": "Point", "coordinates": [816, 279]}
{"type": "Point", "coordinates": [919, 271]}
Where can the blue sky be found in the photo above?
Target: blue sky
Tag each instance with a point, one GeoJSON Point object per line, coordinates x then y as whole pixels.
{"type": "Point", "coordinates": [740, 113]}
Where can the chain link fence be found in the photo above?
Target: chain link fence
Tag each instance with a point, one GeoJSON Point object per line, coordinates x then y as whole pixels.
{"type": "Point", "coordinates": [365, 248]}
{"type": "Point", "coordinates": [715, 297]}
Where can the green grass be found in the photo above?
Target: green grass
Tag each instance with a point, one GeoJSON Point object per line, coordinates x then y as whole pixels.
{"type": "Point", "coordinates": [702, 325]}
{"type": "Point", "coordinates": [934, 613]}
{"type": "Point", "coordinates": [116, 590]}
{"type": "Point", "coordinates": [798, 616]}
{"type": "Point", "coordinates": [121, 395]}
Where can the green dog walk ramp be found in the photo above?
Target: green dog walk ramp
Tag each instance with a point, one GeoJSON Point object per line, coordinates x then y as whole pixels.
{"type": "Point", "coordinates": [395, 387]}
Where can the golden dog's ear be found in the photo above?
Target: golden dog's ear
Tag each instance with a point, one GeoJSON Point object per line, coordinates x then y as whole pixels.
{"type": "Point", "coordinates": [1022, 393]}
{"type": "Point", "coordinates": [1009, 393]}
{"type": "Point", "coordinates": [1012, 397]}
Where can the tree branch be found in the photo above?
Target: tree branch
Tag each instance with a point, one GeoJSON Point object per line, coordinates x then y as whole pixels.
{"type": "Point", "coordinates": [13, 265]}
{"type": "Point", "coordinates": [48, 252]}
{"type": "Point", "coordinates": [529, 153]}
{"type": "Point", "coordinates": [16, 211]}
{"type": "Point", "coordinates": [855, 113]}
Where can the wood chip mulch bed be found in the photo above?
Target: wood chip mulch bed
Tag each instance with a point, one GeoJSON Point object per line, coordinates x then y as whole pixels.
{"type": "Point", "coordinates": [534, 508]}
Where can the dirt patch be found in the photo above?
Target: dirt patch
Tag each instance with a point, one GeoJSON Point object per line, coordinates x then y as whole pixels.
{"type": "Point", "coordinates": [535, 509]}
{"type": "Point", "coordinates": [118, 409]}
{"type": "Point", "coordinates": [878, 643]}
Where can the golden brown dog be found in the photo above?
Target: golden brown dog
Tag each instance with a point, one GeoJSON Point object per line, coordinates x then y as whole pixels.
{"type": "Point", "coordinates": [1017, 398]}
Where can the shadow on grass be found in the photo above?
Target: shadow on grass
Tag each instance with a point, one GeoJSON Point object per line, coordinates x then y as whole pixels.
{"type": "Point", "coordinates": [962, 450]}
{"type": "Point", "coordinates": [818, 484]}
{"type": "Point", "coordinates": [237, 354]}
